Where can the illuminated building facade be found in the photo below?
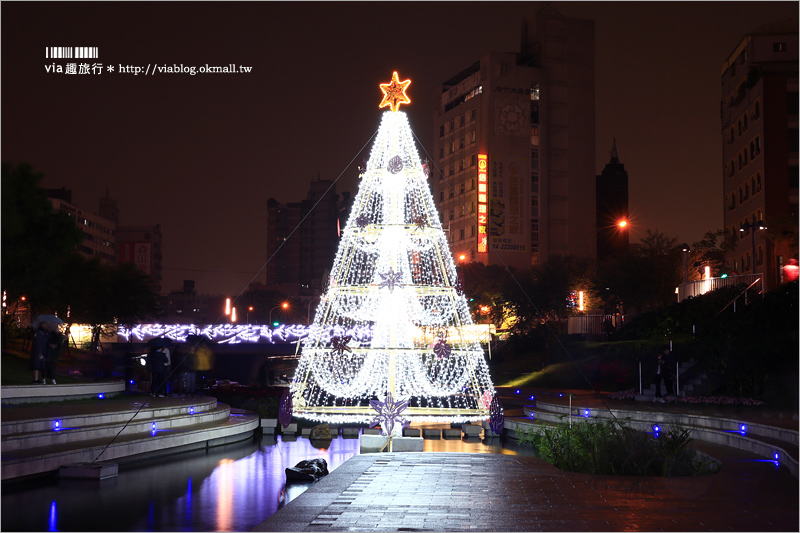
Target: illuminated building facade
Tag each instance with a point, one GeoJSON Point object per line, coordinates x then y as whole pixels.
{"type": "Point", "coordinates": [99, 232]}
{"type": "Point", "coordinates": [759, 119]}
{"type": "Point", "coordinates": [529, 118]}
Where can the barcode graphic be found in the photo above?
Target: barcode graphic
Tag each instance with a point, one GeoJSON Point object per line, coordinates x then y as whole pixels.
{"type": "Point", "coordinates": [71, 52]}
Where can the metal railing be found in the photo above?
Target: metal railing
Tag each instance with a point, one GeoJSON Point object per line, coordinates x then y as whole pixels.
{"type": "Point", "coordinates": [696, 288]}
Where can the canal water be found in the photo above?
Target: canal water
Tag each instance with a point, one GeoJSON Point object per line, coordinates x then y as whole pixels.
{"type": "Point", "coordinates": [229, 488]}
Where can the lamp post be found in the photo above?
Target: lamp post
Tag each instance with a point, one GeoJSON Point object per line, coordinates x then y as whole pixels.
{"type": "Point", "coordinates": [308, 312]}
{"type": "Point", "coordinates": [249, 308]}
{"type": "Point", "coordinates": [749, 226]}
{"type": "Point", "coordinates": [685, 250]}
{"type": "Point", "coordinates": [284, 305]}
{"type": "Point", "coordinates": [622, 224]}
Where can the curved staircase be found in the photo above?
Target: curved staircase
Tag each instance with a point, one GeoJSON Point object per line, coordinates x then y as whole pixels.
{"type": "Point", "coordinates": [41, 438]}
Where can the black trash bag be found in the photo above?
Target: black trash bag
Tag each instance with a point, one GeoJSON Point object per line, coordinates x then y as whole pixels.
{"type": "Point", "coordinates": [310, 470]}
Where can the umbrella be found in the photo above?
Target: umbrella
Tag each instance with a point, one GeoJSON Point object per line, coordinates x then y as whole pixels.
{"type": "Point", "coordinates": [42, 319]}
{"type": "Point", "coordinates": [159, 341]}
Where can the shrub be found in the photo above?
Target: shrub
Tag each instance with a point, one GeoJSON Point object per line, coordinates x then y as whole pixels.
{"type": "Point", "coordinates": [614, 448]}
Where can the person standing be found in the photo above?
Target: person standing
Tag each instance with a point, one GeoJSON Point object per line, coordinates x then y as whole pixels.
{"type": "Point", "coordinates": [38, 347]}
{"type": "Point", "coordinates": [56, 344]}
{"type": "Point", "coordinates": [158, 366]}
{"type": "Point", "coordinates": [659, 377]}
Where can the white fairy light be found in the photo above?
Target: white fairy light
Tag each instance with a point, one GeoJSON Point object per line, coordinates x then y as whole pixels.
{"type": "Point", "coordinates": [393, 275]}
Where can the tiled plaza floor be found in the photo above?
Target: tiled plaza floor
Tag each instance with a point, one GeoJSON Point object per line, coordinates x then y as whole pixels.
{"type": "Point", "coordinates": [486, 492]}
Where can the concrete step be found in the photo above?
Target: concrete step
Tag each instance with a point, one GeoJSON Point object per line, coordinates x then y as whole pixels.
{"type": "Point", "coordinates": [69, 431]}
{"type": "Point", "coordinates": [21, 420]}
{"type": "Point", "coordinates": [129, 447]}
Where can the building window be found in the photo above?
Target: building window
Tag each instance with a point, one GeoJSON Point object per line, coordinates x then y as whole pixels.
{"type": "Point", "coordinates": [752, 149]}
{"type": "Point", "coordinates": [472, 114]}
{"type": "Point", "coordinates": [472, 137]}
{"type": "Point", "coordinates": [472, 231]}
{"type": "Point", "coordinates": [733, 168]}
{"type": "Point", "coordinates": [461, 233]}
{"type": "Point", "coordinates": [753, 184]}
{"type": "Point", "coordinates": [441, 130]}
{"type": "Point", "coordinates": [758, 145]}
{"type": "Point", "coordinates": [452, 214]}
{"type": "Point", "coordinates": [441, 196]}
{"type": "Point", "coordinates": [534, 181]}
{"type": "Point", "coordinates": [462, 119]}
{"type": "Point", "coordinates": [441, 152]}
{"type": "Point", "coordinates": [758, 182]}
{"type": "Point", "coordinates": [756, 111]}
{"type": "Point", "coordinates": [452, 169]}
{"type": "Point", "coordinates": [461, 143]}
{"type": "Point", "coordinates": [463, 165]}
{"type": "Point", "coordinates": [452, 147]}
{"type": "Point", "coordinates": [463, 210]}
{"type": "Point", "coordinates": [778, 47]}
{"type": "Point", "coordinates": [463, 187]}
{"type": "Point", "coordinates": [452, 125]}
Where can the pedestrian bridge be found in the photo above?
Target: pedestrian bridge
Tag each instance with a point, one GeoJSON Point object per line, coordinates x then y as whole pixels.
{"type": "Point", "coordinates": [259, 334]}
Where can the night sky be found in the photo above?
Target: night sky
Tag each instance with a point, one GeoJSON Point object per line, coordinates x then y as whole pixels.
{"type": "Point", "coordinates": [202, 154]}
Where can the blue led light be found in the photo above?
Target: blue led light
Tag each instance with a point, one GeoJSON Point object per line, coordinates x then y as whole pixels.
{"type": "Point", "coordinates": [586, 412]}
{"type": "Point", "coordinates": [517, 391]}
{"type": "Point", "coordinates": [656, 428]}
{"type": "Point", "coordinates": [777, 456]}
{"type": "Point", "coordinates": [560, 395]}
{"type": "Point", "coordinates": [131, 382]}
{"type": "Point", "coordinates": [101, 396]}
{"type": "Point", "coordinates": [57, 425]}
{"type": "Point", "coordinates": [533, 397]}
{"type": "Point", "coordinates": [743, 428]}
{"type": "Point", "coordinates": [191, 410]}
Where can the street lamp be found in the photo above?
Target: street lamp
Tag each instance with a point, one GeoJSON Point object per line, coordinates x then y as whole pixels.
{"type": "Point", "coordinates": [284, 305]}
{"type": "Point", "coordinates": [622, 224]}
{"type": "Point", "coordinates": [685, 250]}
{"type": "Point", "coordinates": [249, 308]}
{"type": "Point", "coordinates": [749, 226]}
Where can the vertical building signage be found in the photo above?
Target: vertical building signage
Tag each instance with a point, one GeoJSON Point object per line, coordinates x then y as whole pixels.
{"type": "Point", "coordinates": [483, 215]}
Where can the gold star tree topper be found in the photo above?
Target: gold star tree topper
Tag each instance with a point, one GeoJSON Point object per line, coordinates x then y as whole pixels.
{"type": "Point", "coordinates": [394, 93]}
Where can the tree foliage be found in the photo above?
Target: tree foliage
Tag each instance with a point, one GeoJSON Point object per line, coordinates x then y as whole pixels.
{"type": "Point", "coordinates": [35, 240]}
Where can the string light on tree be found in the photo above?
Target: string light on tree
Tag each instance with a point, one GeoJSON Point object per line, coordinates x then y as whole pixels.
{"type": "Point", "coordinates": [395, 275]}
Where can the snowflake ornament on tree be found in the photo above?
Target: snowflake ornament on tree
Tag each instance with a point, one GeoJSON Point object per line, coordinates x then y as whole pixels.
{"type": "Point", "coordinates": [340, 344]}
{"type": "Point", "coordinates": [388, 414]}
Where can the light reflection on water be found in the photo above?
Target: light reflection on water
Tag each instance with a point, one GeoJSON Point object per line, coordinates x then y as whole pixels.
{"type": "Point", "coordinates": [230, 488]}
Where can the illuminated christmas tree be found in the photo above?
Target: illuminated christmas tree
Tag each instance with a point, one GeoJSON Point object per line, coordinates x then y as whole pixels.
{"type": "Point", "coordinates": [392, 320]}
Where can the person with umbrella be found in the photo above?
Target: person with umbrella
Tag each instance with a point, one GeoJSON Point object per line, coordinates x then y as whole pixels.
{"type": "Point", "coordinates": [158, 361]}
{"type": "Point", "coordinates": [42, 326]}
{"type": "Point", "coordinates": [56, 344]}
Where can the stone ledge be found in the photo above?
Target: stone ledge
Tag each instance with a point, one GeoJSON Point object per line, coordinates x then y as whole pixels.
{"type": "Point", "coordinates": [374, 443]}
{"type": "Point", "coordinates": [19, 394]}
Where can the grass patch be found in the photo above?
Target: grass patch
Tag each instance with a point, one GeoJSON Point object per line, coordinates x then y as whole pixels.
{"type": "Point", "coordinates": [614, 448]}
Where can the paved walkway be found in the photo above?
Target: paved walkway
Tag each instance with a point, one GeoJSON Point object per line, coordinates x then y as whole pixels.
{"type": "Point", "coordinates": [484, 492]}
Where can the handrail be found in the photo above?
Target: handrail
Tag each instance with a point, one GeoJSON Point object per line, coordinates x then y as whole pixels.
{"type": "Point", "coordinates": [737, 297]}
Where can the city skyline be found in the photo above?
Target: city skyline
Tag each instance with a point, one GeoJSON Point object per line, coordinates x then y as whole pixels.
{"type": "Point", "coordinates": [201, 154]}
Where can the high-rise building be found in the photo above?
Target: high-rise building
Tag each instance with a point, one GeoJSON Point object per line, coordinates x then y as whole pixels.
{"type": "Point", "coordinates": [612, 208]}
{"type": "Point", "coordinates": [304, 257]}
{"type": "Point", "coordinates": [759, 112]}
{"type": "Point", "coordinates": [514, 147]}
{"type": "Point", "coordinates": [141, 245]}
{"type": "Point", "coordinates": [99, 231]}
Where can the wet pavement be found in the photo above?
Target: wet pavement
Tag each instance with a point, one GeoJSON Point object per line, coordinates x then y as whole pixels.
{"type": "Point", "coordinates": [485, 492]}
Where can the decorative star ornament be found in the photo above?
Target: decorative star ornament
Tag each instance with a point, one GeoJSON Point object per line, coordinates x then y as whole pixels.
{"type": "Point", "coordinates": [340, 344]}
{"type": "Point", "coordinates": [394, 93]}
{"type": "Point", "coordinates": [388, 413]}
{"type": "Point", "coordinates": [419, 221]}
{"type": "Point", "coordinates": [442, 349]}
{"type": "Point", "coordinates": [390, 280]}
{"type": "Point", "coordinates": [362, 220]}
